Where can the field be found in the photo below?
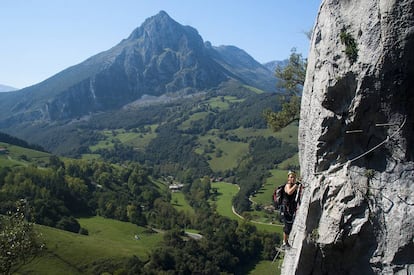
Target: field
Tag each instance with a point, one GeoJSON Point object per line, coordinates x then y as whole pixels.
{"type": "Point", "coordinates": [289, 134]}
{"type": "Point", "coordinates": [231, 152]}
{"type": "Point", "coordinates": [266, 268]}
{"type": "Point", "coordinates": [69, 253]}
{"type": "Point", "coordinates": [222, 102]}
{"type": "Point", "coordinates": [136, 138]}
{"type": "Point", "coordinates": [179, 202]}
{"type": "Point", "coordinates": [194, 117]}
{"type": "Point", "coordinates": [19, 156]}
{"type": "Point", "coordinates": [226, 191]}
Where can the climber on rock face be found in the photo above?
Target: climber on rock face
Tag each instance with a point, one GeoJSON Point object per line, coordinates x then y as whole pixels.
{"type": "Point", "coordinates": [289, 206]}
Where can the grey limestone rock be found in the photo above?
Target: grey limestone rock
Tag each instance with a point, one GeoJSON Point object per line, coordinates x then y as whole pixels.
{"type": "Point", "coordinates": [356, 142]}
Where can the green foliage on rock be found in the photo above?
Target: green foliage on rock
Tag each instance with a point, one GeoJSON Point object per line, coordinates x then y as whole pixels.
{"type": "Point", "coordinates": [351, 48]}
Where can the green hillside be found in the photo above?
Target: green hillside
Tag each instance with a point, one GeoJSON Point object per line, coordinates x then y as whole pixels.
{"type": "Point", "coordinates": [109, 241]}
{"type": "Point", "coordinates": [180, 203]}
{"type": "Point", "coordinates": [12, 155]}
{"type": "Point", "coordinates": [225, 194]}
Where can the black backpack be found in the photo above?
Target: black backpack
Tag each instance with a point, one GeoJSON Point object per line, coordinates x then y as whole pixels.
{"type": "Point", "coordinates": [278, 195]}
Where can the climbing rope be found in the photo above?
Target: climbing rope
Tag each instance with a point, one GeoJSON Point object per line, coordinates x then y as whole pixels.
{"type": "Point", "coordinates": [370, 150]}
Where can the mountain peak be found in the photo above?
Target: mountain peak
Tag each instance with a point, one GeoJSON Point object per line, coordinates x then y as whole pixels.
{"type": "Point", "coordinates": [162, 14]}
{"type": "Point", "coordinates": [161, 17]}
{"type": "Point", "coordinates": [160, 34]}
{"type": "Point", "coordinates": [159, 23]}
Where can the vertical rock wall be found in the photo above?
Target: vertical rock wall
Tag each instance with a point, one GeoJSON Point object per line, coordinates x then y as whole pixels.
{"type": "Point", "coordinates": [356, 142]}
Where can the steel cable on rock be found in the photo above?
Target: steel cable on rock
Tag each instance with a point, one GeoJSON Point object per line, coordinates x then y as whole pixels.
{"type": "Point", "coordinates": [370, 150]}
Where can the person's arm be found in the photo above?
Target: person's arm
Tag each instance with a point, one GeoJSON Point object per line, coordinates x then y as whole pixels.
{"type": "Point", "coordinates": [290, 188]}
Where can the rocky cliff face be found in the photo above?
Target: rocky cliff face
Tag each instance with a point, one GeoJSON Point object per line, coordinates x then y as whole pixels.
{"type": "Point", "coordinates": [356, 140]}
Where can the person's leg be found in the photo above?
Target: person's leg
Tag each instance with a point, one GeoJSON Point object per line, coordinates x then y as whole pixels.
{"type": "Point", "coordinates": [285, 238]}
{"type": "Point", "coordinates": [286, 229]}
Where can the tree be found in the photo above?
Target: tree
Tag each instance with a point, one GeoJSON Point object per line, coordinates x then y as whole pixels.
{"type": "Point", "coordinates": [292, 76]}
{"type": "Point", "coordinates": [289, 113]}
{"type": "Point", "coordinates": [18, 240]}
{"type": "Point", "coordinates": [55, 162]}
{"type": "Point", "coordinates": [68, 224]}
{"type": "Point", "coordinates": [291, 79]}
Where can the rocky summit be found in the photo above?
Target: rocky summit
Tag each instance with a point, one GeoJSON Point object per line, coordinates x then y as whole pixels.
{"type": "Point", "coordinates": [356, 142]}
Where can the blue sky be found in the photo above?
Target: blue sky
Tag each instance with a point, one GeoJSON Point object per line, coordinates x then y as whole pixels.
{"type": "Point", "coordinates": [39, 38]}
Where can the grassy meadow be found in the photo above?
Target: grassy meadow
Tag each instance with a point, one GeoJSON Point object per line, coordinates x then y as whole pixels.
{"type": "Point", "coordinates": [289, 134]}
{"type": "Point", "coordinates": [194, 117]}
{"type": "Point", "coordinates": [19, 156]}
{"type": "Point", "coordinates": [253, 89]}
{"type": "Point", "coordinates": [70, 253]}
{"type": "Point", "coordinates": [266, 268]}
{"type": "Point", "coordinates": [225, 193]}
{"type": "Point", "coordinates": [222, 102]}
{"type": "Point", "coordinates": [134, 138]}
{"type": "Point", "coordinates": [223, 203]}
{"type": "Point", "coordinates": [180, 203]}
{"type": "Point", "coordinates": [231, 151]}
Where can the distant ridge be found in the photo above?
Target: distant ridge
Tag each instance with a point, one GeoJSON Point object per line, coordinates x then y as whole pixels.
{"type": "Point", "coordinates": [5, 88]}
{"type": "Point", "coordinates": [272, 65]}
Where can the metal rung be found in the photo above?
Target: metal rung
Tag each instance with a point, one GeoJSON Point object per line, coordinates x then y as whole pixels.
{"type": "Point", "coordinates": [279, 250]}
{"type": "Point", "coordinates": [385, 124]}
{"type": "Point", "coordinates": [353, 131]}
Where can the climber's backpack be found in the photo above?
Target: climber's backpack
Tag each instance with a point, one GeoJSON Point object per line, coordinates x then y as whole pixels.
{"type": "Point", "coordinates": [278, 196]}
